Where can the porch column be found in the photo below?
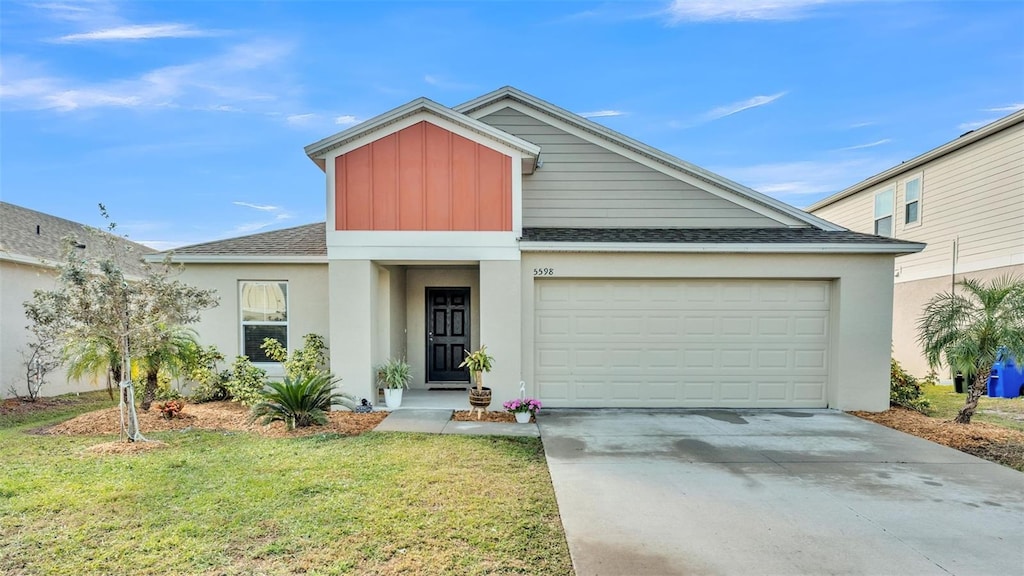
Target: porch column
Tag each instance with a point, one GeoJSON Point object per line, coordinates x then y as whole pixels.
{"type": "Point", "coordinates": [352, 305]}
{"type": "Point", "coordinates": [501, 326]}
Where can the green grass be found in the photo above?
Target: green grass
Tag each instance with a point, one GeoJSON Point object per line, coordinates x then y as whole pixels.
{"type": "Point", "coordinates": [1006, 412]}
{"type": "Point", "coordinates": [221, 503]}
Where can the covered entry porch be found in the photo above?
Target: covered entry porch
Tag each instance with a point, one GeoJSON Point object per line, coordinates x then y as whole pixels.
{"type": "Point", "coordinates": [426, 312]}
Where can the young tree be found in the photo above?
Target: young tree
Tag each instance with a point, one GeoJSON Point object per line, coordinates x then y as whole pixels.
{"type": "Point", "coordinates": [103, 318]}
{"type": "Point", "coordinates": [966, 329]}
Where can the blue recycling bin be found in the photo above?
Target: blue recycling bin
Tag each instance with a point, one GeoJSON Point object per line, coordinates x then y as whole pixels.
{"type": "Point", "coordinates": [1007, 377]}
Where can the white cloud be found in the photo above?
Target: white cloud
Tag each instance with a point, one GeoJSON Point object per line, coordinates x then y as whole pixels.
{"type": "Point", "coordinates": [300, 119]}
{"type": "Point", "coordinates": [737, 107]}
{"type": "Point", "coordinates": [601, 113]}
{"type": "Point", "coordinates": [868, 145]}
{"type": "Point", "coordinates": [740, 10]}
{"type": "Point", "coordinates": [137, 32]}
{"type": "Point", "coordinates": [965, 126]}
{"type": "Point", "coordinates": [446, 84]}
{"type": "Point", "coordinates": [244, 73]}
{"type": "Point", "coordinates": [1010, 108]}
{"type": "Point", "coordinates": [795, 182]}
{"type": "Point", "coordinates": [260, 207]}
{"type": "Point", "coordinates": [861, 124]}
{"type": "Point", "coordinates": [346, 120]}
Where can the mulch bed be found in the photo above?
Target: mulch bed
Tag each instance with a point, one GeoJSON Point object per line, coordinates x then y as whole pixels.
{"type": "Point", "coordinates": [17, 406]}
{"type": "Point", "coordinates": [489, 416]}
{"type": "Point", "coordinates": [981, 439]}
{"type": "Point", "coordinates": [229, 416]}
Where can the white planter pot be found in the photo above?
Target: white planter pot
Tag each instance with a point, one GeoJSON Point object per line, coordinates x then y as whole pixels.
{"type": "Point", "coordinates": [523, 417]}
{"type": "Point", "coordinates": [393, 397]}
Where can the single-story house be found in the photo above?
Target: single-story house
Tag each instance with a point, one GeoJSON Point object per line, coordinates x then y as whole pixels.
{"type": "Point", "coordinates": [965, 199]}
{"type": "Point", "coordinates": [31, 247]}
{"type": "Point", "coordinates": [598, 270]}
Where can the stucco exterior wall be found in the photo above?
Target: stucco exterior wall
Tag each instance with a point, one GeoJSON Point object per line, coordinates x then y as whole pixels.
{"type": "Point", "coordinates": [17, 282]}
{"type": "Point", "coordinates": [861, 314]}
{"type": "Point", "coordinates": [221, 326]}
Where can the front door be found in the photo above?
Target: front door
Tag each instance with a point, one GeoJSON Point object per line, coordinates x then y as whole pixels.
{"type": "Point", "coordinates": [447, 334]}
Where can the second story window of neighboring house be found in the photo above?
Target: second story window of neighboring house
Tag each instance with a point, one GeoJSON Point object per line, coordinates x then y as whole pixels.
{"type": "Point", "coordinates": [883, 212]}
{"type": "Point", "coordinates": [912, 201]}
{"type": "Point", "coordinates": [264, 315]}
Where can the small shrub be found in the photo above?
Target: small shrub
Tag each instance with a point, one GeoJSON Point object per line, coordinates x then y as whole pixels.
{"type": "Point", "coordinates": [201, 369]}
{"type": "Point", "coordinates": [171, 409]}
{"type": "Point", "coordinates": [904, 389]}
{"type": "Point", "coordinates": [310, 360]}
{"type": "Point", "coordinates": [247, 382]}
{"type": "Point", "coordinates": [299, 402]}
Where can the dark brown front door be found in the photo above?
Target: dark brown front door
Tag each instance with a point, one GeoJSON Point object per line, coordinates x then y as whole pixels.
{"type": "Point", "coordinates": [447, 334]}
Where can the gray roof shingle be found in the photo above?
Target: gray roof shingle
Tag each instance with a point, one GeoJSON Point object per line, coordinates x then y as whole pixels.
{"type": "Point", "coordinates": [306, 240]}
{"type": "Point", "coordinates": [28, 233]}
{"type": "Point", "coordinates": [704, 236]}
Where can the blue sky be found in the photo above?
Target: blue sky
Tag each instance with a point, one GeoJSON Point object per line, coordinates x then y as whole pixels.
{"type": "Point", "coordinates": [188, 119]}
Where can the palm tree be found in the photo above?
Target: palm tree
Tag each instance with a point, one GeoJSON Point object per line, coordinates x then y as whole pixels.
{"type": "Point", "coordinates": [966, 329]}
{"type": "Point", "coordinates": [167, 351]}
{"type": "Point", "coordinates": [92, 356]}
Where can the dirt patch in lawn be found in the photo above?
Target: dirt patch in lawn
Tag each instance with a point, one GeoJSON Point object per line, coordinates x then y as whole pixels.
{"type": "Point", "coordinates": [467, 416]}
{"type": "Point", "coordinates": [987, 441]}
{"type": "Point", "coordinates": [212, 416]}
{"type": "Point", "coordinates": [18, 406]}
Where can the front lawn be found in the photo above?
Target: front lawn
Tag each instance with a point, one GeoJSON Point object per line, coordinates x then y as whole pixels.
{"type": "Point", "coordinates": [1006, 412]}
{"type": "Point", "coordinates": [238, 503]}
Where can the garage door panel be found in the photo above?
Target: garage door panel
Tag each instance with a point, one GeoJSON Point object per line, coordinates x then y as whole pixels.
{"type": "Point", "coordinates": [681, 343]}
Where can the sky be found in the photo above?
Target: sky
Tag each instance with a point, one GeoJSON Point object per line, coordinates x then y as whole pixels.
{"type": "Point", "coordinates": [188, 119]}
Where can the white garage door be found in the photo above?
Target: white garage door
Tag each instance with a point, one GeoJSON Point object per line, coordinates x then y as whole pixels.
{"type": "Point", "coordinates": [681, 343]}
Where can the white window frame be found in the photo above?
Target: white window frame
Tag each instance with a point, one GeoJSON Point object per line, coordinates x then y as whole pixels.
{"type": "Point", "coordinates": [920, 203]}
{"type": "Point", "coordinates": [242, 323]}
{"type": "Point", "coordinates": [892, 210]}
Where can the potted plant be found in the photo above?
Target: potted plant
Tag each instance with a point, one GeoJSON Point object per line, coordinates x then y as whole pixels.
{"type": "Point", "coordinates": [394, 376]}
{"type": "Point", "coordinates": [478, 362]}
{"type": "Point", "coordinates": [523, 408]}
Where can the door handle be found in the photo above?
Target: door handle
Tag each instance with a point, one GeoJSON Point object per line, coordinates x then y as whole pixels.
{"type": "Point", "coordinates": [430, 335]}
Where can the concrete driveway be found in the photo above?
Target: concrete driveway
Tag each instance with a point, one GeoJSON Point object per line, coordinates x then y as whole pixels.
{"type": "Point", "coordinates": [775, 492]}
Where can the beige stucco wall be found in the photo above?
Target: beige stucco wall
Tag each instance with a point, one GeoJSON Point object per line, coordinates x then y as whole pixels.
{"type": "Point", "coordinates": [861, 316]}
{"type": "Point", "coordinates": [221, 326]}
{"type": "Point", "coordinates": [910, 299]}
{"type": "Point", "coordinates": [17, 282]}
{"type": "Point", "coordinates": [417, 280]}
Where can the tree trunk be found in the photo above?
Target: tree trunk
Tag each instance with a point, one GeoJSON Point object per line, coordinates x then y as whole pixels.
{"type": "Point", "coordinates": [149, 392]}
{"type": "Point", "coordinates": [977, 391]}
{"type": "Point", "coordinates": [479, 380]}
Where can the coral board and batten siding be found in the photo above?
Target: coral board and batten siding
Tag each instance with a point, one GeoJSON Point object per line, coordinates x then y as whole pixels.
{"type": "Point", "coordinates": [975, 193]}
{"type": "Point", "coordinates": [583, 185]}
{"type": "Point", "coordinates": [423, 178]}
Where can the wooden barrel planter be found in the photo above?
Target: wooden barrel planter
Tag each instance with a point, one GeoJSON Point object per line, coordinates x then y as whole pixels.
{"type": "Point", "coordinates": [479, 400]}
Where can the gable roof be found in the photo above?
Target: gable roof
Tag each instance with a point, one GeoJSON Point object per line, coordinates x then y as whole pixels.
{"type": "Point", "coordinates": [618, 139]}
{"type": "Point", "coordinates": [918, 161]}
{"type": "Point", "coordinates": [38, 238]}
{"type": "Point", "coordinates": [316, 150]}
{"type": "Point", "coordinates": [299, 244]}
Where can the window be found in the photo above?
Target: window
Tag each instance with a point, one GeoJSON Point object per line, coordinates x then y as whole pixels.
{"type": "Point", "coordinates": [264, 315]}
{"type": "Point", "coordinates": [912, 201]}
{"type": "Point", "coordinates": [883, 212]}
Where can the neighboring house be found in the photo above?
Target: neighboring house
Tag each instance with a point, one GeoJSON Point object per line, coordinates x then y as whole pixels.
{"type": "Point", "coordinates": [965, 199]}
{"type": "Point", "coordinates": [31, 246]}
{"type": "Point", "coordinates": [600, 271]}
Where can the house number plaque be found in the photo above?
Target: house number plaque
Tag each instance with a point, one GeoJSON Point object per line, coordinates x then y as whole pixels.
{"type": "Point", "coordinates": [543, 271]}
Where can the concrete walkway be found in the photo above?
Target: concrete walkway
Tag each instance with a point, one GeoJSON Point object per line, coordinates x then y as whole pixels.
{"type": "Point", "coordinates": [775, 492]}
{"type": "Point", "coordinates": [439, 421]}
